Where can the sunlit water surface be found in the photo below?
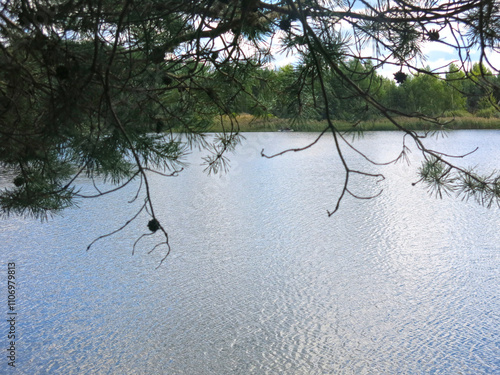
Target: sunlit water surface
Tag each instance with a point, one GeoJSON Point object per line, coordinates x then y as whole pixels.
{"type": "Point", "coordinates": [260, 280]}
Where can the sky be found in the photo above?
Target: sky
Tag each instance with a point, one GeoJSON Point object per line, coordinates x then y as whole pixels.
{"type": "Point", "coordinates": [437, 55]}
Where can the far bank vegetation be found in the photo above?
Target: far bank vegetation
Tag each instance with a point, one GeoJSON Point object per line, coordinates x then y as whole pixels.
{"type": "Point", "coordinates": [290, 99]}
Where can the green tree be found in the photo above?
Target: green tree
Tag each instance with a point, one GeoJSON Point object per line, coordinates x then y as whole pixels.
{"type": "Point", "coordinates": [294, 94]}
{"type": "Point", "coordinates": [282, 106]}
{"type": "Point", "coordinates": [426, 94]}
{"type": "Point", "coordinates": [478, 88]}
{"type": "Point", "coordinates": [353, 107]}
{"type": "Point", "coordinates": [454, 88]}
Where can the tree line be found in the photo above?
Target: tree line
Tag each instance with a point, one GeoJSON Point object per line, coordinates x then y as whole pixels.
{"type": "Point", "coordinates": [103, 88]}
{"type": "Point", "coordinates": [292, 92]}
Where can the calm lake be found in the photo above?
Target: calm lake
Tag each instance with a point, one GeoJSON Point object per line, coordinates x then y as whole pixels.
{"type": "Point", "coordinates": [260, 280]}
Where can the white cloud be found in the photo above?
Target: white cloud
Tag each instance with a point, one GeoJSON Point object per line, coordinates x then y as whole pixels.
{"type": "Point", "coordinates": [281, 59]}
{"type": "Point", "coordinates": [438, 55]}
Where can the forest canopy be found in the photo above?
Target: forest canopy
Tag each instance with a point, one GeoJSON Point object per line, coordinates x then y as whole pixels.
{"type": "Point", "coordinates": [424, 92]}
{"type": "Point", "coordinates": [121, 89]}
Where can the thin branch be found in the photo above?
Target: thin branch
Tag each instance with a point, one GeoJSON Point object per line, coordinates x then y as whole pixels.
{"type": "Point", "coordinates": [296, 149]}
{"type": "Point", "coordinates": [120, 228]}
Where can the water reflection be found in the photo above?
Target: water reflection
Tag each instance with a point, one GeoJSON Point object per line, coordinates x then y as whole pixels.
{"type": "Point", "coordinates": [260, 281]}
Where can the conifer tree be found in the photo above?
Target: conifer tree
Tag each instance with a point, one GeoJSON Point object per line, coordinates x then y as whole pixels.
{"type": "Point", "coordinates": [104, 88]}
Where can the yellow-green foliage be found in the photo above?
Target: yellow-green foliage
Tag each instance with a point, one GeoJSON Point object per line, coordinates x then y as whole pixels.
{"type": "Point", "coordinates": [487, 112]}
{"type": "Point", "coordinates": [248, 123]}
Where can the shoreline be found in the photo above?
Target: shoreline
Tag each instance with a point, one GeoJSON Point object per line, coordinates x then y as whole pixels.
{"type": "Point", "coordinates": [249, 123]}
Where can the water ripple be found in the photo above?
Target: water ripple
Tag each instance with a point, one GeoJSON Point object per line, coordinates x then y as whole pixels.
{"type": "Point", "coordinates": [260, 281]}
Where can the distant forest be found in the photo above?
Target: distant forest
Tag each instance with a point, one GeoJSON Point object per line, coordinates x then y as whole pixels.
{"type": "Point", "coordinates": [293, 92]}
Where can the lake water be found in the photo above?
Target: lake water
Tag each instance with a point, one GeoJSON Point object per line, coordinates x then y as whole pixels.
{"type": "Point", "coordinates": [260, 280]}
